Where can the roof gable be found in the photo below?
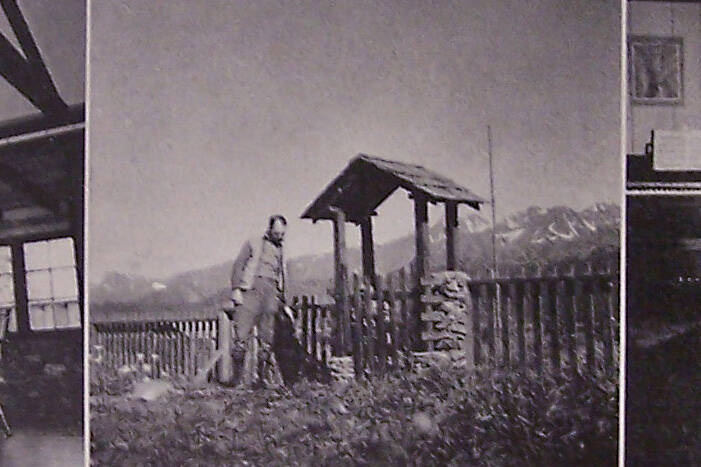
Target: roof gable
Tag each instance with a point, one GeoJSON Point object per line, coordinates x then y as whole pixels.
{"type": "Point", "coordinates": [368, 180]}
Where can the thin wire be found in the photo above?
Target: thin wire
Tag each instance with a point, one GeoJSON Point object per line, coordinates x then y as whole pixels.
{"type": "Point", "coordinates": [494, 208]}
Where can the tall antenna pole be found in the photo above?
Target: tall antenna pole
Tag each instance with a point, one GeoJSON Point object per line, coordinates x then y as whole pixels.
{"type": "Point", "coordinates": [494, 209]}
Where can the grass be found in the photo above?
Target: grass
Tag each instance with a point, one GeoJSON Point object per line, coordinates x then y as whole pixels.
{"type": "Point", "coordinates": [442, 417]}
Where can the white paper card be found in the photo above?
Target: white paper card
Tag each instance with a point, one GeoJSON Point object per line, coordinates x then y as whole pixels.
{"type": "Point", "coordinates": [677, 150]}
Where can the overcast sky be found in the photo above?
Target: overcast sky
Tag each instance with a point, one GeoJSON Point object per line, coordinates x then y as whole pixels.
{"type": "Point", "coordinates": [207, 116]}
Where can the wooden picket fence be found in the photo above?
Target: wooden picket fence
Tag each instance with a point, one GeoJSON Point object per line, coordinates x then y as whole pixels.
{"type": "Point", "coordinates": [179, 347]}
{"type": "Point", "coordinates": [547, 322]}
{"type": "Point", "coordinates": [314, 325]}
{"type": "Point", "coordinates": [185, 346]}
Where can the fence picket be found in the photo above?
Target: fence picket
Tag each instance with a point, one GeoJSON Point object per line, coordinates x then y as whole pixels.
{"type": "Point", "coordinates": [313, 315]}
{"type": "Point", "coordinates": [304, 310]}
{"type": "Point", "coordinates": [404, 312]}
{"type": "Point", "coordinates": [475, 301]}
{"type": "Point", "coordinates": [492, 303]}
{"type": "Point", "coordinates": [572, 288]}
{"type": "Point", "coordinates": [539, 310]}
{"type": "Point", "coordinates": [357, 328]}
{"type": "Point", "coordinates": [509, 294]}
{"type": "Point", "coordinates": [393, 325]}
{"type": "Point", "coordinates": [554, 328]}
{"type": "Point", "coordinates": [520, 298]}
{"type": "Point", "coordinates": [611, 295]}
{"type": "Point", "coordinates": [380, 328]}
{"type": "Point", "coordinates": [369, 333]}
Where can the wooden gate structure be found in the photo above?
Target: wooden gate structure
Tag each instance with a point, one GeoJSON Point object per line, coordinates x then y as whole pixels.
{"type": "Point", "coordinates": [354, 195]}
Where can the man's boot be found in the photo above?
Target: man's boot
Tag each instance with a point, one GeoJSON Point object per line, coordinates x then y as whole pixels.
{"type": "Point", "coordinates": [269, 369]}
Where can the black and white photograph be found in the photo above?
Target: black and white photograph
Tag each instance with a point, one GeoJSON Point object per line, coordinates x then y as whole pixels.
{"type": "Point", "coordinates": [663, 249]}
{"type": "Point", "coordinates": [351, 232]}
{"type": "Point", "coordinates": [663, 256]}
{"type": "Point", "coordinates": [354, 232]}
{"type": "Point", "coordinates": [42, 126]}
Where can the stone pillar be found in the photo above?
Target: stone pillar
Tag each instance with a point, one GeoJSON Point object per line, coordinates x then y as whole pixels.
{"type": "Point", "coordinates": [447, 320]}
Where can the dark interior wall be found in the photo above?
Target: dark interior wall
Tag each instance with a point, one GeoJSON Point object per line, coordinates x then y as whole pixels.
{"type": "Point", "coordinates": [663, 245]}
{"type": "Point", "coordinates": [43, 386]}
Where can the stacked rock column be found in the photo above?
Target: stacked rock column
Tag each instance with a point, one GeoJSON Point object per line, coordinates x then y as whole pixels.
{"type": "Point", "coordinates": [446, 318]}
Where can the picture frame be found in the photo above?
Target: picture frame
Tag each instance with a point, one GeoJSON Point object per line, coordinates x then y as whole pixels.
{"type": "Point", "coordinates": [656, 70]}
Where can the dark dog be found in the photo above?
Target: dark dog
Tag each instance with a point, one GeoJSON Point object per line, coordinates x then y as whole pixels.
{"type": "Point", "coordinates": [294, 361]}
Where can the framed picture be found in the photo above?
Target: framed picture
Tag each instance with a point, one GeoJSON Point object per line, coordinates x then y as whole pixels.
{"type": "Point", "coordinates": [655, 69]}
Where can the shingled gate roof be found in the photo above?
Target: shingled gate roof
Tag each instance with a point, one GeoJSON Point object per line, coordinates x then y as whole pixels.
{"type": "Point", "coordinates": [367, 181]}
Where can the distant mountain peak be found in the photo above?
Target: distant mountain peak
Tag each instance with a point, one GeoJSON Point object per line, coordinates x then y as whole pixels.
{"type": "Point", "coordinates": [534, 235]}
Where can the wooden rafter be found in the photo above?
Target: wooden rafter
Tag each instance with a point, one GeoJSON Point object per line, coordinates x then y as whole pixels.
{"type": "Point", "coordinates": [29, 76]}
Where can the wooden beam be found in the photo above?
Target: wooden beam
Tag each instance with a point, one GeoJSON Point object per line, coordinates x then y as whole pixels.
{"type": "Point", "coordinates": [368, 249]}
{"type": "Point", "coordinates": [28, 125]}
{"type": "Point", "coordinates": [20, 285]}
{"type": "Point", "coordinates": [47, 229]}
{"type": "Point", "coordinates": [340, 278]}
{"type": "Point", "coordinates": [422, 236]}
{"type": "Point", "coordinates": [44, 90]}
{"type": "Point", "coordinates": [76, 172]}
{"type": "Point", "coordinates": [78, 252]}
{"type": "Point", "coordinates": [15, 70]}
{"type": "Point", "coordinates": [451, 234]}
{"type": "Point", "coordinates": [421, 264]}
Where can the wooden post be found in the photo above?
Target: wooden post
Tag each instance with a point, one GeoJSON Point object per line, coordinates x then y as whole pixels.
{"type": "Point", "coordinates": [340, 277]}
{"type": "Point", "coordinates": [451, 234]}
{"type": "Point", "coordinates": [225, 366]}
{"type": "Point", "coordinates": [78, 254]}
{"type": "Point", "coordinates": [20, 285]}
{"type": "Point", "coordinates": [77, 214]}
{"type": "Point", "coordinates": [368, 249]}
{"type": "Point", "coordinates": [422, 238]}
{"type": "Point", "coordinates": [422, 259]}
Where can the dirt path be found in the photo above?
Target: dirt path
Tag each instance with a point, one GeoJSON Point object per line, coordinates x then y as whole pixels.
{"type": "Point", "coordinates": [30, 449]}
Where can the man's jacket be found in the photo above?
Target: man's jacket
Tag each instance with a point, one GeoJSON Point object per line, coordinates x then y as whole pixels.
{"type": "Point", "coordinates": [248, 264]}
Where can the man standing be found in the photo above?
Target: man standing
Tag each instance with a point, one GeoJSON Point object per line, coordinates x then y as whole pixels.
{"type": "Point", "coordinates": [258, 284]}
